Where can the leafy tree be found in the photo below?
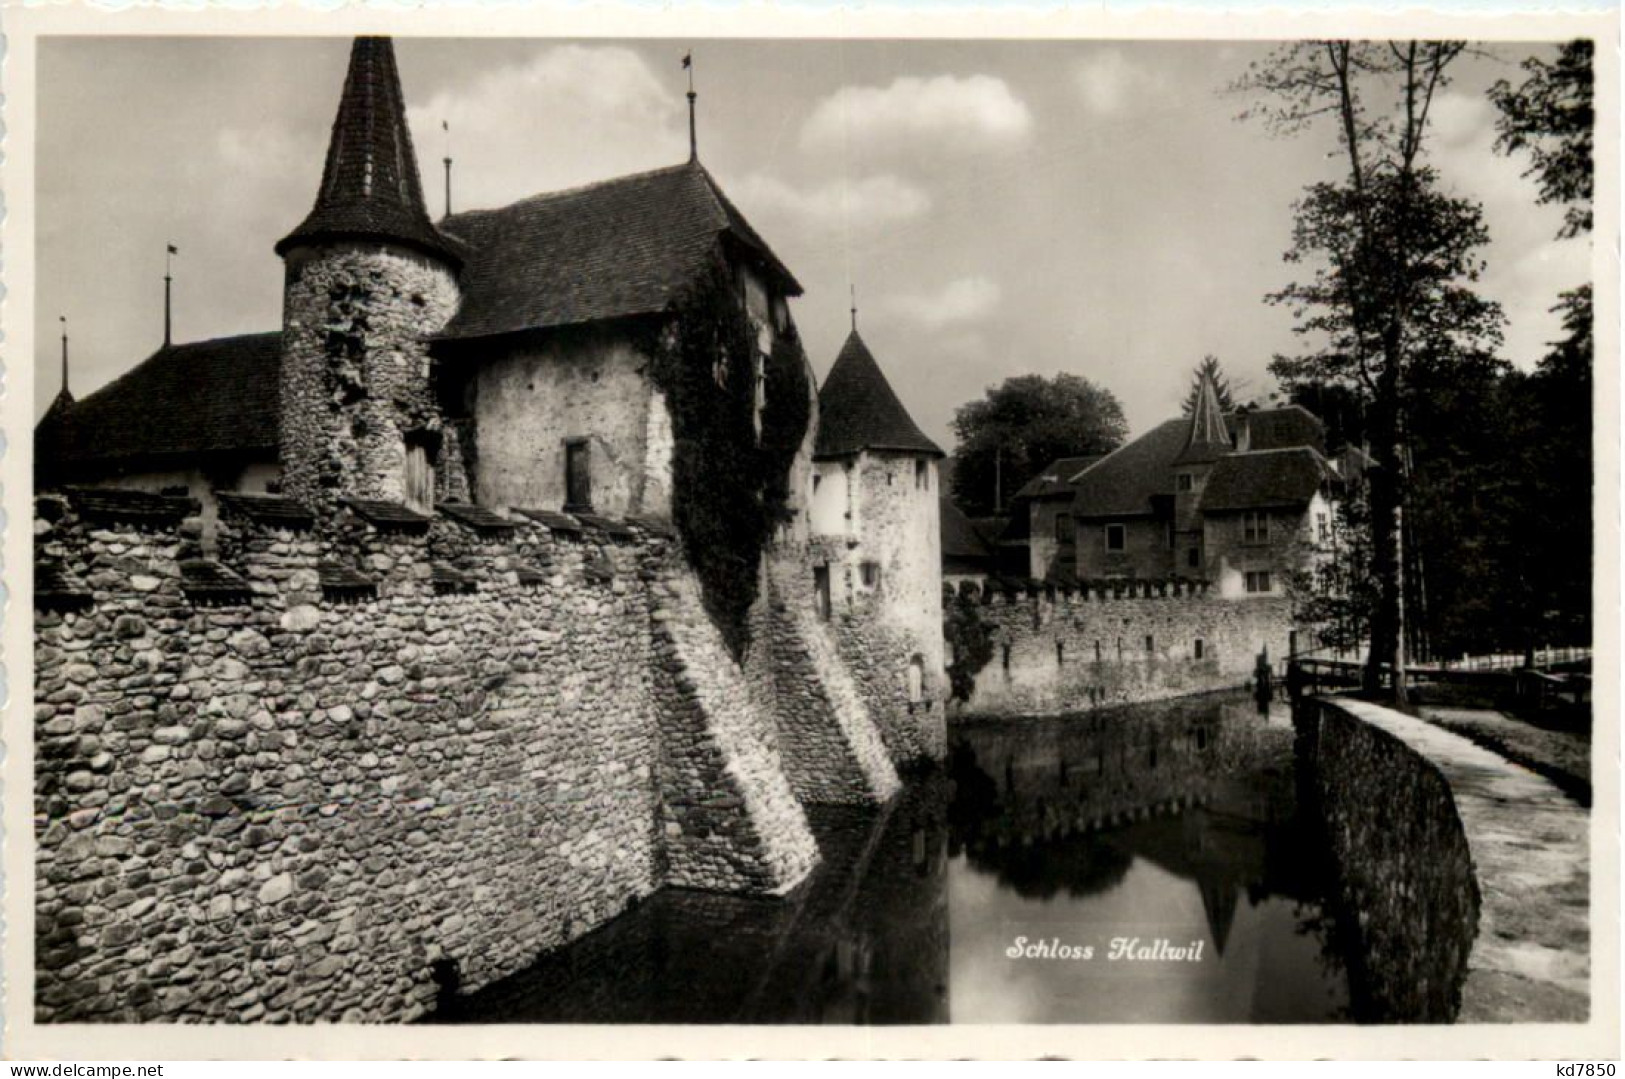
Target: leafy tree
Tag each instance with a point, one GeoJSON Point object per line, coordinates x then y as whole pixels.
{"type": "Point", "coordinates": [1023, 424]}
{"type": "Point", "coordinates": [1210, 368]}
{"type": "Point", "coordinates": [1551, 116]}
{"type": "Point", "coordinates": [1392, 258]}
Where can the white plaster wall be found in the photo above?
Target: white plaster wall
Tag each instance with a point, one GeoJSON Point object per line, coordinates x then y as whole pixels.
{"type": "Point", "coordinates": [531, 401]}
{"type": "Point", "coordinates": [899, 526]}
{"type": "Point", "coordinates": [832, 500]}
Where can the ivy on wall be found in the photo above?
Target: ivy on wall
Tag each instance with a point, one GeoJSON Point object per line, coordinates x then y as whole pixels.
{"type": "Point", "coordinates": [969, 637]}
{"type": "Point", "coordinates": [730, 487]}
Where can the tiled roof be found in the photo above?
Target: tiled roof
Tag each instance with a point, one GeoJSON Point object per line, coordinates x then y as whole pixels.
{"type": "Point", "coordinates": [858, 410]}
{"type": "Point", "coordinates": [557, 522]}
{"type": "Point", "coordinates": [275, 510]}
{"type": "Point", "coordinates": [1057, 478]}
{"type": "Point", "coordinates": [476, 517]}
{"type": "Point", "coordinates": [208, 582]}
{"type": "Point", "coordinates": [1123, 483]}
{"type": "Point", "coordinates": [1264, 480]}
{"type": "Point", "coordinates": [388, 516]}
{"type": "Point", "coordinates": [1279, 428]}
{"type": "Point", "coordinates": [370, 185]}
{"type": "Point", "coordinates": [623, 247]}
{"type": "Point", "coordinates": [181, 402]}
{"type": "Point", "coordinates": [57, 588]}
{"type": "Point", "coordinates": [131, 507]}
{"type": "Point", "coordinates": [960, 539]}
{"type": "Point", "coordinates": [449, 580]}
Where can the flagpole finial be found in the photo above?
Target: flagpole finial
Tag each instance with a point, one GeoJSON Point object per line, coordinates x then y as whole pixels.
{"type": "Point", "coordinates": [170, 251]}
{"type": "Point", "coordinates": [64, 320]}
{"type": "Point", "coordinates": [854, 288]}
{"type": "Point", "coordinates": [445, 126]}
{"type": "Point", "coordinates": [693, 135]}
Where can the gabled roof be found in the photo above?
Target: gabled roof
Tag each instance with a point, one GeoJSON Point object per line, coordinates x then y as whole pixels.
{"type": "Point", "coordinates": [858, 410]}
{"type": "Point", "coordinates": [370, 185]}
{"type": "Point", "coordinates": [1278, 428]}
{"type": "Point", "coordinates": [960, 538]}
{"type": "Point", "coordinates": [1056, 478]}
{"type": "Point", "coordinates": [614, 249]}
{"type": "Point", "coordinates": [183, 401]}
{"type": "Point", "coordinates": [1123, 483]}
{"type": "Point", "coordinates": [1266, 479]}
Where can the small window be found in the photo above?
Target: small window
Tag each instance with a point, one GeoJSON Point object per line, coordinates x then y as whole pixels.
{"type": "Point", "coordinates": [1006, 659]}
{"type": "Point", "coordinates": [1323, 527]}
{"type": "Point", "coordinates": [817, 479]}
{"type": "Point", "coordinates": [1060, 654]}
{"type": "Point", "coordinates": [1116, 537]}
{"type": "Point", "coordinates": [1150, 645]}
{"type": "Point", "coordinates": [1258, 580]}
{"type": "Point", "coordinates": [1196, 653]}
{"type": "Point", "coordinates": [1185, 481]}
{"type": "Point", "coordinates": [1255, 527]}
{"type": "Point", "coordinates": [871, 574]}
{"type": "Point", "coordinates": [922, 476]}
{"type": "Point", "coordinates": [821, 591]}
{"type": "Point", "coordinates": [1097, 651]}
{"type": "Point", "coordinates": [1193, 557]}
{"type": "Point", "coordinates": [1119, 649]}
{"type": "Point", "coordinates": [1063, 528]}
{"type": "Point", "coordinates": [577, 477]}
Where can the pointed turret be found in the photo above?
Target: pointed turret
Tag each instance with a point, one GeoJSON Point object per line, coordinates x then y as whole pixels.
{"type": "Point", "coordinates": [370, 188]}
{"type": "Point", "coordinates": [858, 410]}
{"type": "Point", "coordinates": [1209, 437]}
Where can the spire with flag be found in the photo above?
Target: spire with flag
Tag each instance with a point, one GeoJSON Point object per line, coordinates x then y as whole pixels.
{"type": "Point", "coordinates": [693, 137]}
{"type": "Point", "coordinates": [170, 251]}
{"type": "Point", "coordinates": [445, 127]}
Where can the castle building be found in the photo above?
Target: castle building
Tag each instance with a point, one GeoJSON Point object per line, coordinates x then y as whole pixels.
{"type": "Point", "coordinates": [498, 356]}
{"type": "Point", "coordinates": [875, 502]}
{"type": "Point", "coordinates": [1238, 500]}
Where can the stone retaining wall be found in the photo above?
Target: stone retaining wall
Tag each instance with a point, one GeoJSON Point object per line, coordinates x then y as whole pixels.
{"type": "Point", "coordinates": [1467, 876]}
{"type": "Point", "coordinates": [342, 765]}
{"type": "Point", "coordinates": [1062, 650]}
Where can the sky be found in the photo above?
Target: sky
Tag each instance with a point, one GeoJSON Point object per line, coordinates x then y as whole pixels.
{"type": "Point", "coordinates": [1000, 208]}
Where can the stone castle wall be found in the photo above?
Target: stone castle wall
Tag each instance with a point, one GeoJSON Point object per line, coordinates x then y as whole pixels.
{"type": "Point", "coordinates": [337, 767]}
{"type": "Point", "coordinates": [357, 319]}
{"type": "Point", "coordinates": [1064, 649]}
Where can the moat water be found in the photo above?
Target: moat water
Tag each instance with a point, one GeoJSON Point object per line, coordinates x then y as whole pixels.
{"type": "Point", "coordinates": [1144, 865]}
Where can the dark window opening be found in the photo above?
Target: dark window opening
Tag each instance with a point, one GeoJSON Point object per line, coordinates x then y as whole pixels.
{"type": "Point", "coordinates": [821, 591]}
{"type": "Point", "coordinates": [1185, 481]}
{"type": "Point", "coordinates": [1193, 557]}
{"type": "Point", "coordinates": [1116, 537]}
{"type": "Point", "coordinates": [1060, 654]}
{"type": "Point", "coordinates": [1097, 651]}
{"type": "Point", "coordinates": [922, 476]}
{"type": "Point", "coordinates": [1198, 650]}
{"type": "Point", "coordinates": [871, 574]}
{"type": "Point", "coordinates": [1007, 659]}
{"type": "Point", "coordinates": [1150, 644]}
{"type": "Point", "coordinates": [577, 477]}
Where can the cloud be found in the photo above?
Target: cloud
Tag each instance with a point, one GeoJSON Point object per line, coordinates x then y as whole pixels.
{"type": "Point", "coordinates": [943, 112]}
{"type": "Point", "coordinates": [1109, 82]}
{"type": "Point", "coordinates": [967, 299]}
{"type": "Point", "coordinates": [1462, 121]}
{"type": "Point", "coordinates": [868, 203]}
{"type": "Point", "coordinates": [569, 115]}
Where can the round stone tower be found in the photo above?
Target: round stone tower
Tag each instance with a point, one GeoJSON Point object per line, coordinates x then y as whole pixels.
{"type": "Point", "coordinates": [368, 280]}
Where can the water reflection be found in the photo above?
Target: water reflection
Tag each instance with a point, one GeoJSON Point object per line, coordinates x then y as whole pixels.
{"type": "Point", "coordinates": [1175, 823]}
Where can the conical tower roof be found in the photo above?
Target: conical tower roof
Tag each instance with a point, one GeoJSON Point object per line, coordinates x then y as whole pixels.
{"type": "Point", "coordinates": [1209, 437]}
{"type": "Point", "coordinates": [370, 185]}
{"type": "Point", "coordinates": [858, 410]}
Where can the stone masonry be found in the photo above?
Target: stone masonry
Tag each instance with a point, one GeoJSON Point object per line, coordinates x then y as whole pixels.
{"type": "Point", "coordinates": [1087, 646]}
{"type": "Point", "coordinates": [344, 762]}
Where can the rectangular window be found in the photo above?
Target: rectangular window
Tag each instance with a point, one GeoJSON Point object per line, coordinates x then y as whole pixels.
{"type": "Point", "coordinates": [1193, 558]}
{"type": "Point", "coordinates": [1186, 481]}
{"type": "Point", "coordinates": [577, 477]}
{"type": "Point", "coordinates": [1258, 580]}
{"type": "Point", "coordinates": [1116, 537]}
{"type": "Point", "coordinates": [922, 476]}
{"type": "Point", "coordinates": [821, 591]}
{"type": "Point", "coordinates": [1255, 527]}
{"type": "Point", "coordinates": [871, 574]}
{"type": "Point", "coordinates": [1063, 528]}
{"type": "Point", "coordinates": [1150, 644]}
{"type": "Point", "coordinates": [1197, 652]}
{"type": "Point", "coordinates": [1060, 654]}
{"type": "Point", "coordinates": [1323, 527]}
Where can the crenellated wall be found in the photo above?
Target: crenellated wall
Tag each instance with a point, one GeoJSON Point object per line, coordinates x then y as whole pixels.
{"type": "Point", "coordinates": [344, 762]}
{"type": "Point", "coordinates": [1096, 645]}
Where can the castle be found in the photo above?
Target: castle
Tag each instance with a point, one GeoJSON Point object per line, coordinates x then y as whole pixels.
{"type": "Point", "coordinates": [521, 574]}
